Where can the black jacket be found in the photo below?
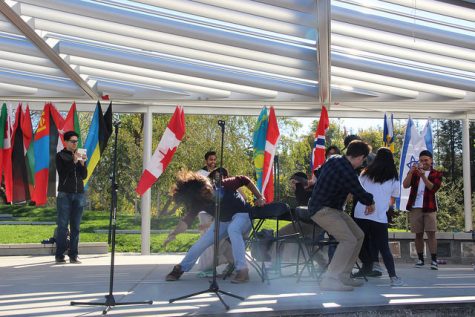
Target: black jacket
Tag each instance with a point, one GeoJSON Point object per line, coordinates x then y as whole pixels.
{"type": "Point", "coordinates": [71, 175]}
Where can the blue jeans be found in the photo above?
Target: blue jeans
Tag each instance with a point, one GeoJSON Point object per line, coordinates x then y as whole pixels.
{"type": "Point", "coordinates": [239, 225]}
{"type": "Point", "coordinates": [69, 207]}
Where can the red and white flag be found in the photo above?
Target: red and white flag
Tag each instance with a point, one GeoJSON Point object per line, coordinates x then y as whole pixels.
{"type": "Point", "coordinates": [272, 137]}
{"type": "Point", "coordinates": [318, 154]}
{"type": "Point", "coordinates": [163, 155]}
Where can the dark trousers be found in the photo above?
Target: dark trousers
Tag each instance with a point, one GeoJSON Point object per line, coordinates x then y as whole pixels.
{"type": "Point", "coordinates": [69, 208]}
{"type": "Point", "coordinates": [375, 239]}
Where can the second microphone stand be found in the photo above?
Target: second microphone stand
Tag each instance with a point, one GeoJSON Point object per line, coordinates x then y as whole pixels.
{"type": "Point", "coordinates": [214, 287]}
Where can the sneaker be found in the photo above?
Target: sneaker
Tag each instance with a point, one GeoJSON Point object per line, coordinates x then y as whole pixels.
{"type": "Point", "coordinates": [333, 284]}
{"type": "Point", "coordinates": [419, 263]}
{"type": "Point", "coordinates": [74, 260]}
{"type": "Point", "coordinates": [242, 276]}
{"type": "Point", "coordinates": [175, 274]}
{"type": "Point", "coordinates": [60, 260]}
{"type": "Point", "coordinates": [359, 274]}
{"type": "Point", "coordinates": [396, 281]}
{"type": "Point", "coordinates": [206, 273]}
{"type": "Point", "coordinates": [377, 267]}
{"type": "Point", "coordinates": [374, 273]}
{"type": "Point", "coordinates": [351, 281]}
{"type": "Point", "coordinates": [434, 265]}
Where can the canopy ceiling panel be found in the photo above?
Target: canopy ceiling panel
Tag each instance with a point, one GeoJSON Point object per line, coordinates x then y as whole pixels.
{"type": "Point", "coordinates": [234, 56]}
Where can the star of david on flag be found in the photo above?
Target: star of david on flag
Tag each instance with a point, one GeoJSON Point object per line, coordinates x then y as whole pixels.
{"type": "Point", "coordinates": [414, 143]}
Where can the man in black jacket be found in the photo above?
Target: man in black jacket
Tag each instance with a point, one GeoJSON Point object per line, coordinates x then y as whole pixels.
{"type": "Point", "coordinates": [71, 166]}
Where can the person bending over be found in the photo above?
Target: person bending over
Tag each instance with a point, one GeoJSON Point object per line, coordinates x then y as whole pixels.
{"type": "Point", "coordinates": [197, 193]}
{"type": "Point", "coordinates": [336, 180]}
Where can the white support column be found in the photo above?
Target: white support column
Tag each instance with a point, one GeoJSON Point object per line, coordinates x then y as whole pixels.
{"type": "Point", "coordinates": [147, 196]}
{"type": "Point", "coordinates": [467, 188]}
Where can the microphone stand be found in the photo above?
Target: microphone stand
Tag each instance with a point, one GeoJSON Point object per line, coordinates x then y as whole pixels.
{"type": "Point", "coordinates": [214, 287]}
{"type": "Point", "coordinates": [110, 300]}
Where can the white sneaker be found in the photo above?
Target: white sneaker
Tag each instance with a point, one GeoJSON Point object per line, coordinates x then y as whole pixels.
{"type": "Point", "coordinates": [377, 267]}
{"type": "Point", "coordinates": [396, 281]}
{"type": "Point", "coordinates": [419, 263]}
{"type": "Point", "coordinates": [434, 265]}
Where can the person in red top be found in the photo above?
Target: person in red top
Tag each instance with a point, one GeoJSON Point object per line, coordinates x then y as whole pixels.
{"type": "Point", "coordinates": [424, 182]}
{"type": "Point", "coordinates": [197, 193]}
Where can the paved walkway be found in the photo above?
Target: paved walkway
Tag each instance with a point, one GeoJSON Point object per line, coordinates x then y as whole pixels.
{"type": "Point", "coordinates": [35, 286]}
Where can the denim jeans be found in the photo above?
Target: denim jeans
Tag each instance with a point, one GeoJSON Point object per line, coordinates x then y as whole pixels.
{"type": "Point", "coordinates": [69, 208]}
{"type": "Point", "coordinates": [239, 225]}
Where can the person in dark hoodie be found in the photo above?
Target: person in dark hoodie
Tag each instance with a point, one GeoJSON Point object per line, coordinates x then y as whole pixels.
{"type": "Point", "coordinates": [71, 167]}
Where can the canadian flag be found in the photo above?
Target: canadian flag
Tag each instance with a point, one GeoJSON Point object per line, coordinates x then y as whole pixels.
{"type": "Point", "coordinates": [164, 153]}
{"type": "Point", "coordinates": [272, 137]}
{"type": "Point", "coordinates": [318, 154]}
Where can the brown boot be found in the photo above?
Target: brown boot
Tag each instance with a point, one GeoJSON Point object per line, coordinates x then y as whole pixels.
{"type": "Point", "coordinates": [242, 276]}
{"type": "Point", "coordinates": [175, 274]}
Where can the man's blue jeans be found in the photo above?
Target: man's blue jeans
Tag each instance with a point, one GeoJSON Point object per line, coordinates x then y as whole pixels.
{"type": "Point", "coordinates": [69, 207]}
{"type": "Point", "coordinates": [239, 225]}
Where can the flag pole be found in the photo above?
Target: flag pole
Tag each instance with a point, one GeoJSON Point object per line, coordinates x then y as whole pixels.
{"type": "Point", "coordinates": [110, 300]}
{"type": "Point", "coordinates": [214, 287]}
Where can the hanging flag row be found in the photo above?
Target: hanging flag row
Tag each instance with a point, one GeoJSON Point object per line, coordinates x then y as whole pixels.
{"type": "Point", "coordinates": [27, 159]}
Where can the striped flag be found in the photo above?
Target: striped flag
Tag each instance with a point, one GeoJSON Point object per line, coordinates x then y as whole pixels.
{"type": "Point", "coordinates": [45, 149]}
{"type": "Point", "coordinates": [259, 145]}
{"type": "Point", "coordinates": [318, 153]}
{"type": "Point", "coordinates": [272, 137]}
{"type": "Point", "coordinates": [21, 137]}
{"type": "Point", "coordinates": [164, 152]}
{"type": "Point", "coordinates": [388, 132]}
{"type": "Point", "coordinates": [71, 123]}
{"type": "Point", "coordinates": [7, 118]}
{"type": "Point", "coordinates": [414, 143]}
{"type": "Point", "coordinates": [99, 132]}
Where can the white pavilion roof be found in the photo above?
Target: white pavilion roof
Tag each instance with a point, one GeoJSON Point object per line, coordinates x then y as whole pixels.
{"type": "Point", "coordinates": [361, 58]}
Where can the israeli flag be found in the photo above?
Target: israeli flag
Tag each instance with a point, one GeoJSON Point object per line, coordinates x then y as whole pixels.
{"type": "Point", "coordinates": [414, 143]}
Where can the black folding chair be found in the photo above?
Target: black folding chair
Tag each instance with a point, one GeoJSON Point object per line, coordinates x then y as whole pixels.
{"type": "Point", "coordinates": [314, 244]}
{"type": "Point", "coordinates": [274, 211]}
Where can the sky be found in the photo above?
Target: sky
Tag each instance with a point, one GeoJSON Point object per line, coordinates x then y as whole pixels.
{"type": "Point", "coordinates": [352, 125]}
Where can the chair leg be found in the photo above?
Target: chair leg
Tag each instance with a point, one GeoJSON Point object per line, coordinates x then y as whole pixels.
{"type": "Point", "coordinates": [359, 268]}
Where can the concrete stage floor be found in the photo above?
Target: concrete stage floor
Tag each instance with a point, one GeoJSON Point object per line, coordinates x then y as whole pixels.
{"type": "Point", "coordinates": [36, 286]}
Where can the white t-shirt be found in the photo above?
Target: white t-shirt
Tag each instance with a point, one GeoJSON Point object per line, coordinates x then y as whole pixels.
{"type": "Point", "coordinates": [420, 192]}
{"type": "Point", "coordinates": [203, 172]}
{"type": "Point", "coordinates": [381, 195]}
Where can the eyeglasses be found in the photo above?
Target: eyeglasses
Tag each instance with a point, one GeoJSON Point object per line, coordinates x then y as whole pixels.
{"type": "Point", "coordinates": [73, 141]}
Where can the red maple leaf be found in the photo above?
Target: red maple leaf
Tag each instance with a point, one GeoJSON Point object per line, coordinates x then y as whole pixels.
{"type": "Point", "coordinates": [167, 157]}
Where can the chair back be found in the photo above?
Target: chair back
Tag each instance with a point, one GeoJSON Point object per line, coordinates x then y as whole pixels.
{"type": "Point", "coordinates": [270, 211]}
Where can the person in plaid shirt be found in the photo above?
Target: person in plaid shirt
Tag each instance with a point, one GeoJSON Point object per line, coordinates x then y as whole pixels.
{"type": "Point", "coordinates": [424, 182]}
{"type": "Point", "coordinates": [337, 179]}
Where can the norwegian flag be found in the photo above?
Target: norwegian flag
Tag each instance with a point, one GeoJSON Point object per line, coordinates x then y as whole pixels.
{"type": "Point", "coordinates": [164, 153]}
{"type": "Point", "coordinates": [272, 137]}
{"type": "Point", "coordinates": [318, 154]}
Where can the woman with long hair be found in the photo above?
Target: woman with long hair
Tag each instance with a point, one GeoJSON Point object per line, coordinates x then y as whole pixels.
{"type": "Point", "coordinates": [196, 193]}
{"type": "Point", "coordinates": [380, 179]}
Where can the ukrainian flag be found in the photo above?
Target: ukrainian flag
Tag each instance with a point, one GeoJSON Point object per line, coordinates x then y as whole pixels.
{"type": "Point", "coordinates": [96, 141]}
{"type": "Point", "coordinates": [388, 132]}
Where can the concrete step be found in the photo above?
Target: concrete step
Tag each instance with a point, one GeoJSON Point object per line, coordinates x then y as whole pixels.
{"type": "Point", "coordinates": [157, 231]}
{"type": "Point", "coordinates": [36, 223]}
{"type": "Point", "coordinates": [50, 249]}
{"type": "Point", "coordinates": [6, 217]}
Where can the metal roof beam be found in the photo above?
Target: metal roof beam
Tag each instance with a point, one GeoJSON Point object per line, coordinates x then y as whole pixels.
{"type": "Point", "coordinates": [323, 50]}
{"type": "Point", "coordinates": [16, 20]}
{"type": "Point", "coordinates": [396, 26]}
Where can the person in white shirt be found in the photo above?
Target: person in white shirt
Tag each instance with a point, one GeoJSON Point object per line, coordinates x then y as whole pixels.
{"type": "Point", "coordinates": [380, 179]}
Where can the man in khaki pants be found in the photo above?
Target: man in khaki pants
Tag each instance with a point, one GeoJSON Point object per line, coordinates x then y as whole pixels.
{"type": "Point", "coordinates": [338, 179]}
